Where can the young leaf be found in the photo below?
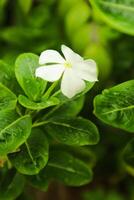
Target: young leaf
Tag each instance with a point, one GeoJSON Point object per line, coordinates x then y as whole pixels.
{"type": "Point", "coordinates": [77, 131]}
{"type": "Point", "coordinates": [8, 99]}
{"type": "Point", "coordinates": [65, 168]}
{"type": "Point", "coordinates": [128, 156]}
{"type": "Point", "coordinates": [13, 189]}
{"type": "Point", "coordinates": [45, 103]}
{"type": "Point", "coordinates": [33, 155]}
{"type": "Point", "coordinates": [25, 67]}
{"type": "Point", "coordinates": [118, 14]}
{"type": "Point", "coordinates": [115, 106]}
{"type": "Point", "coordinates": [13, 134]}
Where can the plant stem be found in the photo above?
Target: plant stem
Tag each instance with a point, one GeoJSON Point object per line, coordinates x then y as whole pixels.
{"type": "Point", "coordinates": [40, 124]}
{"type": "Point", "coordinates": [18, 111]}
{"type": "Point", "coordinates": [50, 89]}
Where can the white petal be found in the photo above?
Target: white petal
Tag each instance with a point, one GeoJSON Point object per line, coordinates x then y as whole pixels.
{"type": "Point", "coordinates": [71, 84]}
{"type": "Point", "coordinates": [50, 73]}
{"type": "Point", "coordinates": [50, 56]}
{"type": "Point", "coordinates": [70, 55]}
{"type": "Point", "coordinates": [86, 70]}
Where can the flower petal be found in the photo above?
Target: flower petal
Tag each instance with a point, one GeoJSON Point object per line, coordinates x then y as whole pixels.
{"type": "Point", "coordinates": [50, 73]}
{"type": "Point", "coordinates": [50, 56]}
{"type": "Point", "coordinates": [86, 70]}
{"type": "Point", "coordinates": [70, 55]}
{"type": "Point", "coordinates": [71, 84]}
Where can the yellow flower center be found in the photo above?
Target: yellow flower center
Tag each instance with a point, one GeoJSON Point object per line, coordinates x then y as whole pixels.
{"type": "Point", "coordinates": [68, 65]}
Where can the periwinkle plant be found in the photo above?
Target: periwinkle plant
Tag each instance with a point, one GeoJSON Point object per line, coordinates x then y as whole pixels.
{"type": "Point", "coordinates": [39, 124]}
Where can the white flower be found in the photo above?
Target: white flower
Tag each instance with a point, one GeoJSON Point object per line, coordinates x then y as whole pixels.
{"type": "Point", "coordinates": [73, 69]}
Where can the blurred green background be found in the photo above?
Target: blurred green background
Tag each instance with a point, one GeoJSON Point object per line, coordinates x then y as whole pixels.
{"type": "Point", "coordinates": [36, 25]}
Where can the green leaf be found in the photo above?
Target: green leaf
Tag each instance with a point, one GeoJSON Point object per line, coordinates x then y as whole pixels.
{"type": "Point", "coordinates": [76, 131]}
{"type": "Point", "coordinates": [25, 5]}
{"type": "Point", "coordinates": [10, 190]}
{"type": "Point", "coordinates": [39, 181]}
{"type": "Point", "coordinates": [3, 3]}
{"type": "Point", "coordinates": [101, 194]}
{"type": "Point", "coordinates": [115, 106]}
{"type": "Point", "coordinates": [33, 155]}
{"type": "Point", "coordinates": [83, 153]}
{"type": "Point", "coordinates": [8, 99]}
{"type": "Point", "coordinates": [65, 168]}
{"type": "Point", "coordinates": [69, 109]}
{"type": "Point", "coordinates": [118, 14]}
{"type": "Point", "coordinates": [44, 103]}
{"type": "Point", "coordinates": [13, 133]}
{"type": "Point", "coordinates": [128, 156]}
{"type": "Point", "coordinates": [71, 21]}
{"type": "Point", "coordinates": [6, 73]}
{"type": "Point", "coordinates": [25, 67]}
{"type": "Point", "coordinates": [7, 77]}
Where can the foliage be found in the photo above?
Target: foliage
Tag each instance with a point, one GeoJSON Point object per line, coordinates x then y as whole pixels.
{"type": "Point", "coordinates": [46, 137]}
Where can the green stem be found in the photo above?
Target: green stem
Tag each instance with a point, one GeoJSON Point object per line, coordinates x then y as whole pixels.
{"type": "Point", "coordinates": [40, 124]}
{"type": "Point", "coordinates": [50, 89]}
{"type": "Point", "coordinates": [18, 111]}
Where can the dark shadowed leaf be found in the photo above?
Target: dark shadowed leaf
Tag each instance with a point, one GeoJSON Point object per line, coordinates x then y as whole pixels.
{"type": "Point", "coordinates": [69, 109]}
{"type": "Point", "coordinates": [128, 156]}
{"type": "Point", "coordinates": [65, 168]}
{"type": "Point", "coordinates": [11, 187]}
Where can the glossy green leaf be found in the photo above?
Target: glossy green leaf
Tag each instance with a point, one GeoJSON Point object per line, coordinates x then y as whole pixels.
{"type": "Point", "coordinates": [118, 14]}
{"type": "Point", "coordinates": [5, 73]}
{"type": "Point", "coordinates": [128, 156]}
{"type": "Point", "coordinates": [45, 103]}
{"type": "Point", "coordinates": [77, 131]}
{"type": "Point", "coordinates": [33, 155]}
{"type": "Point", "coordinates": [8, 99]}
{"type": "Point", "coordinates": [7, 77]}
{"type": "Point", "coordinates": [13, 133]}
{"type": "Point", "coordinates": [69, 109]}
{"type": "Point", "coordinates": [65, 168]}
{"type": "Point", "coordinates": [10, 190]}
{"type": "Point", "coordinates": [25, 67]}
{"type": "Point", "coordinates": [115, 106]}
